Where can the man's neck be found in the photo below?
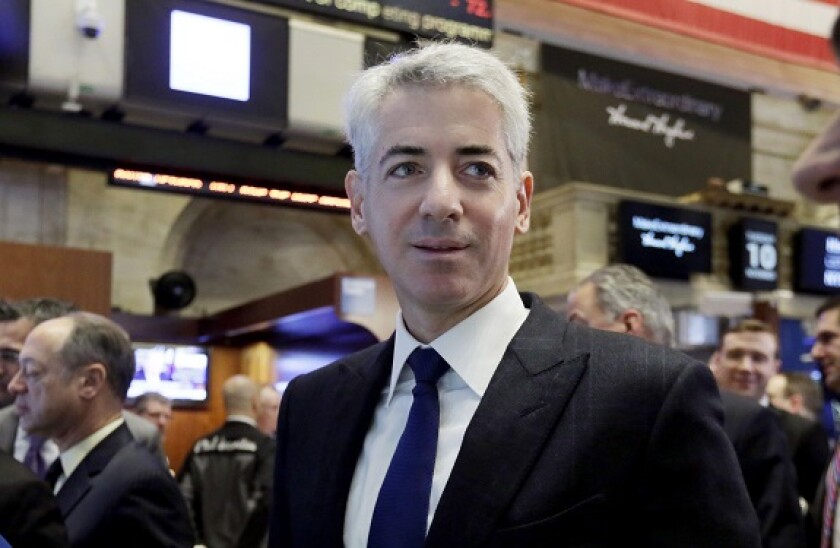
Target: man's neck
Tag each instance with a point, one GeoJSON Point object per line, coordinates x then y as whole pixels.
{"type": "Point", "coordinates": [84, 428]}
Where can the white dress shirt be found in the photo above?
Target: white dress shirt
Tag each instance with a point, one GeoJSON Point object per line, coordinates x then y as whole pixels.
{"type": "Point", "coordinates": [49, 450]}
{"type": "Point", "coordinates": [73, 456]}
{"type": "Point", "coordinates": [473, 350]}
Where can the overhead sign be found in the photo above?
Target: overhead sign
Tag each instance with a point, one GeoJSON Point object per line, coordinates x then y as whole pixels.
{"type": "Point", "coordinates": [665, 242]}
{"type": "Point", "coordinates": [622, 125]}
{"type": "Point", "coordinates": [464, 20]}
{"type": "Point", "coordinates": [754, 255]}
{"type": "Point", "coordinates": [216, 188]}
{"type": "Point", "coordinates": [816, 261]}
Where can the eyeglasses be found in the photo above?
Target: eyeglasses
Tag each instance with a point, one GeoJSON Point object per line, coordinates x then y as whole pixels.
{"type": "Point", "coordinates": [9, 356]}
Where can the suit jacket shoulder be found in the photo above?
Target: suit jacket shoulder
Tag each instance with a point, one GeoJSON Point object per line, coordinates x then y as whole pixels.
{"type": "Point", "coordinates": [121, 495]}
{"type": "Point", "coordinates": [8, 429]}
{"type": "Point", "coordinates": [29, 515]}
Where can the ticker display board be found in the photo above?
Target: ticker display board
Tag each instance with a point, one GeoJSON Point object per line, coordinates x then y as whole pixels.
{"type": "Point", "coordinates": [464, 20]}
{"type": "Point", "coordinates": [754, 255]}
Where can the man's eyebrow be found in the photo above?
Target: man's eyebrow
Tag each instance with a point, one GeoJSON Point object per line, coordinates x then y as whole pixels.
{"type": "Point", "coordinates": [402, 150]}
{"type": "Point", "coordinates": [478, 150]}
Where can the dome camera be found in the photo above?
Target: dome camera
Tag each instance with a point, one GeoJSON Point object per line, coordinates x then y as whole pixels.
{"type": "Point", "coordinates": [88, 19]}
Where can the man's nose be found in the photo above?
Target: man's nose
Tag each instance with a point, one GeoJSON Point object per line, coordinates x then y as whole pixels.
{"type": "Point", "coordinates": [16, 385]}
{"type": "Point", "coordinates": [442, 196]}
{"type": "Point", "coordinates": [817, 172]}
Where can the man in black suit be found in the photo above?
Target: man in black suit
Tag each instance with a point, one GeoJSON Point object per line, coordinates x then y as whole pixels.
{"type": "Point", "coordinates": [73, 378]}
{"type": "Point", "coordinates": [487, 419]}
{"type": "Point", "coordinates": [622, 298]}
{"type": "Point", "coordinates": [746, 358]}
{"type": "Point", "coordinates": [17, 319]}
{"type": "Point", "coordinates": [29, 515]}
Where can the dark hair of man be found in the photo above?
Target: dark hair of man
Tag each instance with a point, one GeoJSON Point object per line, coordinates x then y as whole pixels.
{"type": "Point", "coordinates": [805, 386]}
{"type": "Point", "coordinates": [96, 339]}
{"type": "Point", "coordinates": [141, 404]}
{"type": "Point", "coordinates": [8, 313]}
{"type": "Point", "coordinates": [39, 310]}
{"type": "Point", "coordinates": [829, 304]}
{"type": "Point", "coordinates": [749, 325]}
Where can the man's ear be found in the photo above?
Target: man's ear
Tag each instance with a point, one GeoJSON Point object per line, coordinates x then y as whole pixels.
{"type": "Point", "coordinates": [634, 323]}
{"type": "Point", "coordinates": [523, 198]}
{"type": "Point", "coordinates": [354, 187]}
{"type": "Point", "coordinates": [92, 380]}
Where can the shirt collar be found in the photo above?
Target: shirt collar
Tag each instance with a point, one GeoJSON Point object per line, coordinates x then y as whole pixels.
{"type": "Point", "coordinates": [242, 418]}
{"type": "Point", "coordinates": [72, 457]}
{"type": "Point", "coordinates": [474, 347]}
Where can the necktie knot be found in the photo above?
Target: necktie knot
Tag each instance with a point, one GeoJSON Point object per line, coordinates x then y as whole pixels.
{"type": "Point", "coordinates": [427, 364]}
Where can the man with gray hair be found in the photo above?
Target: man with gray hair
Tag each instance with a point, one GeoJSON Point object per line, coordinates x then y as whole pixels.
{"type": "Point", "coordinates": [487, 419]}
{"type": "Point", "coordinates": [622, 298]}
{"type": "Point", "coordinates": [73, 379]}
{"type": "Point", "coordinates": [227, 476]}
{"type": "Point", "coordinates": [17, 320]}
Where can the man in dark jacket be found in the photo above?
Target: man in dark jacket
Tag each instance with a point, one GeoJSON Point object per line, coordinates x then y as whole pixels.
{"type": "Point", "coordinates": [228, 474]}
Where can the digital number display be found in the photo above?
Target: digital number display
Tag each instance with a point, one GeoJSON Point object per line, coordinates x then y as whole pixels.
{"type": "Point", "coordinates": [754, 255]}
{"type": "Point", "coordinates": [464, 20]}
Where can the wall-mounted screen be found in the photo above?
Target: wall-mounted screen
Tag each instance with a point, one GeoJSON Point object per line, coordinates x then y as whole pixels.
{"type": "Point", "coordinates": [816, 261]}
{"type": "Point", "coordinates": [665, 242]}
{"type": "Point", "coordinates": [754, 255]}
{"type": "Point", "coordinates": [211, 61]}
{"type": "Point", "coordinates": [179, 372]}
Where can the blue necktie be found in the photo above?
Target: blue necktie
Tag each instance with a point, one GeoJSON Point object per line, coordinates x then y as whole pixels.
{"type": "Point", "coordinates": [401, 511]}
{"type": "Point", "coordinates": [33, 459]}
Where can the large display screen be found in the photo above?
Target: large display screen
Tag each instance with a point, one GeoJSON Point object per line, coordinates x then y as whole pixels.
{"type": "Point", "coordinates": [754, 255]}
{"type": "Point", "coordinates": [208, 60]}
{"type": "Point", "coordinates": [466, 20]}
{"type": "Point", "coordinates": [179, 372]}
{"type": "Point", "coordinates": [816, 261]}
{"type": "Point", "coordinates": [666, 242]}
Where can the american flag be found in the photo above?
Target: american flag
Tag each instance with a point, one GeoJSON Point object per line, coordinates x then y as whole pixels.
{"type": "Point", "coordinates": [789, 30]}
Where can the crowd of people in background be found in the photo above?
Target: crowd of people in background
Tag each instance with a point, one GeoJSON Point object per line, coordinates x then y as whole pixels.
{"type": "Point", "coordinates": [577, 434]}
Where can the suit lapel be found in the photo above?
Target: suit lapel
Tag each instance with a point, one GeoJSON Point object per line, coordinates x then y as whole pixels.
{"type": "Point", "coordinates": [362, 380]}
{"type": "Point", "coordinates": [525, 399]}
{"type": "Point", "coordinates": [81, 480]}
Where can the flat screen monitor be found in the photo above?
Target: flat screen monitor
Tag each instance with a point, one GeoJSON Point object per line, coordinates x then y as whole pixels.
{"type": "Point", "coordinates": [665, 242]}
{"type": "Point", "coordinates": [179, 372]}
{"type": "Point", "coordinates": [208, 60]}
{"type": "Point", "coordinates": [816, 255]}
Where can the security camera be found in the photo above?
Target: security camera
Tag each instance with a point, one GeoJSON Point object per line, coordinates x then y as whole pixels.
{"type": "Point", "coordinates": [88, 19]}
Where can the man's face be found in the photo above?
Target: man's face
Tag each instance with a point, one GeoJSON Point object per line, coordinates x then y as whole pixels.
{"type": "Point", "coordinates": [46, 395]}
{"type": "Point", "coordinates": [816, 174]}
{"type": "Point", "coordinates": [442, 201]}
{"type": "Point", "coordinates": [776, 393]}
{"type": "Point", "coordinates": [158, 413]}
{"type": "Point", "coordinates": [268, 407]}
{"type": "Point", "coordinates": [745, 362]}
{"type": "Point", "coordinates": [826, 349]}
{"type": "Point", "coordinates": [583, 308]}
{"type": "Point", "coordinates": [12, 335]}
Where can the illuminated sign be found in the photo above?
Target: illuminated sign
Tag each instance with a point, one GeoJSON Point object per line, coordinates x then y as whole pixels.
{"type": "Point", "coordinates": [465, 20]}
{"type": "Point", "coordinates": [666, 242]}
{"type": "Point", "coordinates": [193, 186]}
{"type": "Point", "coordinates": [816, 261]}
{"type": "Point", "coordinates": [754, 255]}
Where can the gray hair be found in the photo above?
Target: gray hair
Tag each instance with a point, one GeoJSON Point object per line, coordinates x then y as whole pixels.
{"type": "Point", "coordinates": [141, 404]}
{"type": "Point", "coordinates": [96, 339]}
{"type": "Point", "coordinates": [620, 287]}
{"type": "Point", "coordinates": [437, 65]}
{"type": "Point", "coordinates": [40, 309]}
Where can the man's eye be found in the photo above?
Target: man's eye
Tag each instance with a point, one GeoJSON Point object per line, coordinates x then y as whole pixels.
{"type": "Point", "coordinates": [480, 170]}
{"type": "Point", "coordinates": [404, 170]}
